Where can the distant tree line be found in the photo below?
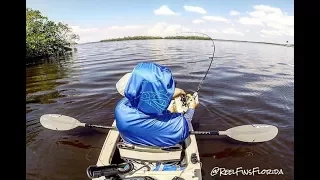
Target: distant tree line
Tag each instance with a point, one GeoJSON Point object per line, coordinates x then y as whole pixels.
{"type": "Point", "coordinates": [185, 37]}
{"type": "Point", "coordinates": [156, 37]}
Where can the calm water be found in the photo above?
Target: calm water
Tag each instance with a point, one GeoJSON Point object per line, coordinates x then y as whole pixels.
{"type": "Point", "coordinates": [248, 83]}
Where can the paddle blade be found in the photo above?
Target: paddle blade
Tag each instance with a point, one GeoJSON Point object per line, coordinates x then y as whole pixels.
{"type": "Point", "coordinates": [253, 133]}
{"type": "Point", "coordinates": [59, 122]}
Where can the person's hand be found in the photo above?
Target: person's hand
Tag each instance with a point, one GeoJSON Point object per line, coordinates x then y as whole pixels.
{"type": "Point", "coordinates": [193, 102]}
{"type": "Point", "coordinates": [178, 92]}
{"type": "Point", "coordinates": [171, 108]}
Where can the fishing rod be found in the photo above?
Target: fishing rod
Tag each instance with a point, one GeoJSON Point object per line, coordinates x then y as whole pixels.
{"type": "Point", "coordinates": [214, 49]}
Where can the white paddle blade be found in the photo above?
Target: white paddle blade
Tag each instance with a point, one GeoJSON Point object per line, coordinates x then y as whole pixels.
{"type": "Point", "coordinates": [253, 133]}
{"type": "Point", "coordinates": [59, 122]}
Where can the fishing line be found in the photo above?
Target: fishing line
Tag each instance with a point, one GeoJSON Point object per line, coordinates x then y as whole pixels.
{"type": "Point", "coordinates": [88, 154]}
{"type": "Point", "coordinates": [214, 49]}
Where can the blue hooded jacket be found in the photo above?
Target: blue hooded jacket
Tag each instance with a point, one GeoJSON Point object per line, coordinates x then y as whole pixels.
{"type": "Point", "coordinates": [142, 117]}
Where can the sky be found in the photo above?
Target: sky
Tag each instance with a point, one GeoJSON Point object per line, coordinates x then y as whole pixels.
{"type": "Point", "coordinates": [249, 20]}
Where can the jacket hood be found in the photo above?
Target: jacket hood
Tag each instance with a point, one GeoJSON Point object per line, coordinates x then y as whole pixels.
{"type": "Point", "coordinates": [150, 88]}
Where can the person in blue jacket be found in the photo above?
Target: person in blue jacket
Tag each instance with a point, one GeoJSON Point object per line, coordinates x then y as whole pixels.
{"type": "Point", "coordinates": [142, 116]}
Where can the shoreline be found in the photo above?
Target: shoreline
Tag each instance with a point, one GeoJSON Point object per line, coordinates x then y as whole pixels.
{"type": "Point", "coordinates": [132, 38]}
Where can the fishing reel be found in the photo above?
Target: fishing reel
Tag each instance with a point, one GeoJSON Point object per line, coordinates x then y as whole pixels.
{"type": "Point", "coordinates": [185, 99]}
{"type": "Point", "coordinates": [181, 103]}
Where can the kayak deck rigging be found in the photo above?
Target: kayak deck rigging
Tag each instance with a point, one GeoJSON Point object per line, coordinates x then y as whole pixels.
{"type": "Point", "coordinates": [110, 154]}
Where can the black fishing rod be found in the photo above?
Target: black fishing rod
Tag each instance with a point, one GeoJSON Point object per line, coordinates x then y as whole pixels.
{"type": "Point", "coordinates": [214, 49]}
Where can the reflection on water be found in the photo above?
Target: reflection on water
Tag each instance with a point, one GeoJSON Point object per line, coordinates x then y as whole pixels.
{"type": "Point", "coordinates": [74, 144]}
{"type": "Point", "coordinates": [229, 152]}
{"type": "Point", "coordinates": [42, 80]}
{"type": "Point", "coordinates": [248, 83]}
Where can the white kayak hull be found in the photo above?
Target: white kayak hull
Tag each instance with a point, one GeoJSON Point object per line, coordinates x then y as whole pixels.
{"type": "Point", "coordinates": [191, 172]}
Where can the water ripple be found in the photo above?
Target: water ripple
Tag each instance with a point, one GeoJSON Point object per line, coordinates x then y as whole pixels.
{"type": "Point", "coordinates": [247, 83]}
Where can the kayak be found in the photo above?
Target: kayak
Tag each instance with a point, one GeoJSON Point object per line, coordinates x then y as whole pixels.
{"type": "Point", "coordinates": [110, 153]}
{"type": "Point", "coordinates": [155, 163]}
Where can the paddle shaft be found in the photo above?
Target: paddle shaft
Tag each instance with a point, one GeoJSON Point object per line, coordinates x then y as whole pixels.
{"type": "Point", "coordinates": [206, 132]}
{"type": "Point", "coordinates": [98, 126]}
{"type": "Point", "coordinates": [191, 132]}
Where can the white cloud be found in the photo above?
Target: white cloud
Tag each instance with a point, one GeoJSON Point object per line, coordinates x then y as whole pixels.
{"type": "Point", "coordinates": [290, 32]}
{"type": "Point", "coordinates": [213, 31]}
{"type": "Point", "coordinates": [127, 27]}
{"type": "Point", "coordinates": [86, 34]}
{"type": "Point", "coordinates": [195, 9]}
{"type": "Point", "coordinates": [271, 32]}
{"type": "Point", "coordinates": [273, 17]}
{"type": "Point", "coordinates": [276, 26]}
{"type": "Point", "coordinates": [215, 18]}
{"type": "Point", "coordinates": [257, 14]}
{"type": "Point", "coordinates": [164, 29]}
{"type": "Point", "coordinates": [77, 29]}
{"type": "Point", "coordinates": [281, 23]}
{"type": "Point", "coordinates": [267, 9]}
{"type": "Point", "coordinates": [198, 21]}
{"type": "Point", "coordinates": [277, 32]}
{"type": "Point", "coordinates": [116, 31]}
{"type": "Point", "coordinates": [234, 13]}
{"type": "Point", "coordinates": [232, 31]}
{"type": "Point", "coordinates": [97, 34]}
{"type": "Point", "coordinates": [165, 10]}
{"type": "Point", "coordinates": [250, 21]}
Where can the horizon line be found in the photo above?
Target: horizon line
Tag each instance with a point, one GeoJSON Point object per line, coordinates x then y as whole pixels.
{"type": "Point", "coordinates": [163, 38]}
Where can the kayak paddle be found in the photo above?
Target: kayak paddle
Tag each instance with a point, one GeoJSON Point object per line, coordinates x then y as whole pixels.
{"type": "Point", "coordinates": [244, 133]}
{"type": "Point", "coordinates": [62, 123]}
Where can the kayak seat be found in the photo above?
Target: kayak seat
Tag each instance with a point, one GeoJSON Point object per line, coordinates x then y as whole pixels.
{"type": "Point", "coordinates": [150, 154]}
